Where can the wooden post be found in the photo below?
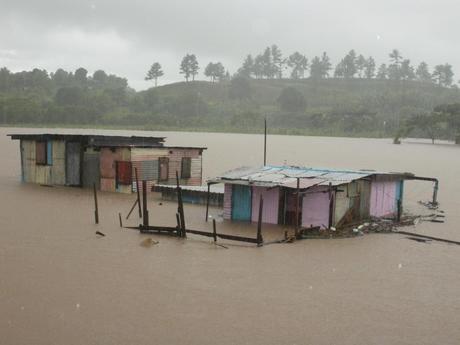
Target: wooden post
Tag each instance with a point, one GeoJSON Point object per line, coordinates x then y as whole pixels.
{"type": "Point", "coordinates": [297, 206]}
{"type": "Point", "coordinates": [435, 192]}
{"type": "Point", "coordinates": [331, 205]}
{"type": "Point", "coordinates": [207, 201]}
{"type": "Point", "coordinates": [96, 209]}
{"type": "Point", "coordinates": [132, 208]}
{"type": "Point", "coordinates": [145, 212]}
{"type": "Point", "coordinates": [138, 195]}
{"type": "Point", "coordinates": [265, 142]}
{"type": "Point", "coordinates": [180, 206]}
{"type": "Point", "coordinates": [119, 218]}
{"type": "Point", "coordinates": [178, 225]}
{"type": "Point", "coordinates": [259, 223]}
{"type": "Point", "coordinates": [214, 230]}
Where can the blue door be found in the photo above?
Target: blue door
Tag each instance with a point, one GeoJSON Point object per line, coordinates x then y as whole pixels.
{"type": "Point", "coordinates": [241, 203]}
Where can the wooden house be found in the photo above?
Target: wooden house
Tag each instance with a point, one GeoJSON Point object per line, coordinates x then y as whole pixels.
{"type": "Point", "coordinates": [110, 162]}
{"type": "Point", "coordinates": [315, 197]}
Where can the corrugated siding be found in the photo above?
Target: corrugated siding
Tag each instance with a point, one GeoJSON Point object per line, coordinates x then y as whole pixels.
{"type": "Point", "coordinates": [271, 204]}
{"type": "Point", "coordinates": [28, 154]}
{"type": "Point", "coordinates": [175, 162]}
{"type": "Point", "coordinates": [365, 194]}
{"type": "Point", "coordinates": [342, 204]}
{"type": "Point", "coordinates": [228, 201]}
{"type": "Point", "coordinates": [91, 168]}
{"type": "Point", "coordinates": [146, 162]}
{"type": "Point", "coordinates": [108, 184]}
{"type": "Point", "coordinates": [315, 208]}
{"type": "Point", "coordinates": [43, 174]}
{"type": "Point", "coordinates": [73, 163]}
{"type": "Point", "coordinates": [58, 167]}
{"type": "Point", "coordinates": [383, 198]}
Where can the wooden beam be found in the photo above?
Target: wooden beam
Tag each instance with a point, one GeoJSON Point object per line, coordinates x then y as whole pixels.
{"type": "Point", "coordinates": [145, 211]}
{"type": "Point", "coordinates": [297, 206]}
{"type": "Point", "coordinates": [96, 208]}
{"type": "Point", "coordinates": [138, 195]}
{"type": "Point", "coordinates": [259, 223]}
{"type": "Point", "coordinates": [207, 201]}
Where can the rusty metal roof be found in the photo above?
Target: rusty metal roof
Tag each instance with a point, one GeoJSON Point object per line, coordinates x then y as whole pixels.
{"type": "Point", "coordinates": [94, 140]}
{"type": "Point", "coordinates": [286, 176]}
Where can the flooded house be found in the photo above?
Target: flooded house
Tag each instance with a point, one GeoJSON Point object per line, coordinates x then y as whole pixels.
{"type": "Point", "coordinates": [109, 162]}
{"type": "Point", "coordinates": [312, 197]}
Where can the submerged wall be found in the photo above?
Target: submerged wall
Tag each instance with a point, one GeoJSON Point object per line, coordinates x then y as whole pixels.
{"type": "Point", "coordinates": [271, 204]}
{"type": "Point", "coordinates": [315, 208]}
{"type": "Point", "coordinates": [383, 201]}
{"type": "Point", "coordinates": [51, 173]}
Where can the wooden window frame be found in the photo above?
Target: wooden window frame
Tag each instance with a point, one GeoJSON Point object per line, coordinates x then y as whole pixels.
{"type": "Point", "coordinates": [164, 159]}
{"type": "Point", "coordinates": [44, 160]}
{"type": "Point", "coordinates": [186, 174]}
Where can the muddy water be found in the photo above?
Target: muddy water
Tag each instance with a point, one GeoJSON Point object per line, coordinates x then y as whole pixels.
{"type": "Point", "coordinates": [61, 284]}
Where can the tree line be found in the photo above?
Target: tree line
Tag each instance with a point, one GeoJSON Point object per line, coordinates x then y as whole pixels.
{"type": "Point", "coordinates": [271, 64]}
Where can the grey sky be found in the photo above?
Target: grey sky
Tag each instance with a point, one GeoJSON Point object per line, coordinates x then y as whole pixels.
{"type": "Point", "coordinates": [124, 38]}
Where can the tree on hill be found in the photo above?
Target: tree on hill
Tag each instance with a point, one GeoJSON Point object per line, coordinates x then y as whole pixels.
{"type": "Point", "coordinates": [369, 68]}
{"type": "Point", "coordinates": [278, 61]}
{"type": "Point", "coordinates": [422, 73]}
{"type": "Point", "coordinates": [394, 69]}
{"type": "Point", "coordinates": [316, 68]}
{"type": "Point", "coordinates": [215, 71]}
{"type": "Point", "coordinates": [325, 65]}
{"type": "Point", "coordinates": [349, 64]}
{"type": "Point", "coordinates": [154, 73]}
{"type": "Point", "coordinates": [247, 69]}
{"type": "Point", "coordinates": [81, 76]}
{"type": "Point", "coordinates": [382, 73]}
{"type": "Point", "coordinates": [299, 64]}
{"type": "Point", "coordinates": [268, 68]}
{"type": "Point", "coordinates": [407, 71]}
{"type": "Point", "coordinates": [443, 75]}
{"type": "Point", "coordinates": [100, 77]}
{"type": "Point", "coordinates": [189, 66]}
{"type": "Point", "coordinates": [291, 100]}
{"type": "Point", "coordinates": [360, 65]}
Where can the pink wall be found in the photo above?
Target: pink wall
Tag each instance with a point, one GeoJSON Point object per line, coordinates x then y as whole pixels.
{"type": "Point", "coordinates": [228, 201]}
{"type": "Point", "coordinates": [271, 204]}
{"type": "Point", "coordinates": [315, 209]}
{"type": "Point", "coordinates": [383, 198]}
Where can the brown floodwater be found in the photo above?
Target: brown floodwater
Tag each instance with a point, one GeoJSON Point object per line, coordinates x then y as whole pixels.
{"type": "Point", "coordinates": [62, 284]}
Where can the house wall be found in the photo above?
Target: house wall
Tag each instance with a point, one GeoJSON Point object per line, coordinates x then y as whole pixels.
{"type": "Point", "coordinates": [354, 195]}
{"type": "Point", "coordinates": [271, 204]}
{"type": "Point", "coordinates": [383, 198]}
{"type": "Point", "coordinates": [53, 174]}
{"type": "Point", "coordinates": [58, 163]}
{"type": "Point", "coordinates": [227, 201]}
{"type": "Point", "coordinates": [315, 208]}
{"type": "Point", "coordinates": [175, 162]}
{"type": "Point", "coordinates": [108, 157]}
{"type": "Point", "coordinates": [146, 162]}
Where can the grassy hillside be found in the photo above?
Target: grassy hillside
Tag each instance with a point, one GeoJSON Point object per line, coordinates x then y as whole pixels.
{"type": "Point", "coordinates": [332, 106]}
{"type": "Point", "coordinates": [345, 107]}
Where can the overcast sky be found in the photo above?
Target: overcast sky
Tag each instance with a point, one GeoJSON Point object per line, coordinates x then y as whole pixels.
{"type": "Point", "coordinates": [126, 37]}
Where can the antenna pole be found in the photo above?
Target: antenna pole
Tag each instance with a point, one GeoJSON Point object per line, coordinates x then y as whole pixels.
{"type": "Point", "coordinates": [265, 142]}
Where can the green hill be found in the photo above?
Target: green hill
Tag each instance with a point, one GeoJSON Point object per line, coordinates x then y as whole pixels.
{"type": "Point", "coordinates": [345, 107]}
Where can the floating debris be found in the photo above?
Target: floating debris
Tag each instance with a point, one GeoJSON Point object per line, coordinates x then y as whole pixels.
{"type": "Point", "coordinates": [100, 233]}
{"type": "Point", "coordinates": [148, 242]}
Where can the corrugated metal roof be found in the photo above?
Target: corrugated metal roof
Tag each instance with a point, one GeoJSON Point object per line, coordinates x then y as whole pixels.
{"type": "Point", "coordinates": [286, 176]}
